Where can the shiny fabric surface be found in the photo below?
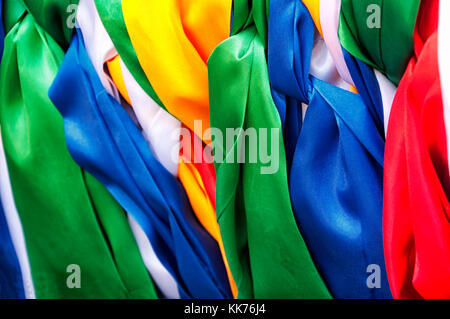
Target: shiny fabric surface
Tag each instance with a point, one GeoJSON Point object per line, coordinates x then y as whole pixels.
{"type": "Point", "coordinates": [96, 123]}
{"type": "Point", "coordinates": [379, 33]}
{"type": "Point", "coordinates": [67, 216]}
{"type": "Point", "coordinates": [267, 255]}
{"type": "Point", "coordinates": [416, 181]}
{"type": "Point", "coordinates": [173, 44]}
{"type": "Point", "coordinates": [336, 171]}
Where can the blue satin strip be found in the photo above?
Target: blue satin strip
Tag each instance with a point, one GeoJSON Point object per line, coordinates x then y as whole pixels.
{"type": "Point", "coordinates": [11, 283]}
{"type": "Point", "coordinates": [105, 141]}
{"type": "Point", "coordinates": [335, 157]}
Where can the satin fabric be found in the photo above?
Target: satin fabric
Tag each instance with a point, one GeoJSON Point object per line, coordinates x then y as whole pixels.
{"type": "Point", "coordinates": [110, 12]}
{"type": "Point", "coordinates": [103, 139]}
{"type": "Point", "coordinates": [337, 156]}
{"type": "Point", "coordinates": [81, 224]}
{"type": "Point", "coordinates": [388, 91]}
{"type": "Point", "coordinates": [191, 171]}
{"type": "Point", "coordinates": [387, 47]}
{"type": "Point", "coordinates": [98, 43]}
{"type": "Point", "coordinates": [54, 16]}
{"type": "Point", "coordinates": [416, 181]}
{"type": "Point", "coordinates": [11, 283]}
{"type": "Point", "coordinates": [173, 44]}
{"type": "Point", "coordinates": [329, 16]}
{"type": "Point", "coordinates": [267, 255]}
{"type": "Point", "coordinates": [444, 64]}
{"type": "Point", "coordinates": [159, 126]}
{"type": "Point", "coordinates": [15, 227]}
{"type": "Point", "coordinates": [100, 48]}
{"type": "Point", "coordinates": [314, 9]}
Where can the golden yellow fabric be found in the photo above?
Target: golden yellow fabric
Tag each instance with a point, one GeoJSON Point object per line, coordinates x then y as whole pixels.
{"type": "Point", "coordinates": [173, 44]}
{"type": "Point", "coordinates": [115, 71]}
{"type": "Point", "coordinates": [314, 9]}
{"type": "Point", "coordinates": [203, 209]}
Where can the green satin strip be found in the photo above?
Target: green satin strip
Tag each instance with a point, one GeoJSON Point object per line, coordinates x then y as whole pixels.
{"type": "Point", "coordinates": [68, 217]}
{"type": "Point", "coordinates": [110, 12]}
{"type": "Point", "coordinates": [54, 16]}
{"type": "Point", "coordinates": [265, 250]}
{"type": "Point", "coordinates": [386, 46]}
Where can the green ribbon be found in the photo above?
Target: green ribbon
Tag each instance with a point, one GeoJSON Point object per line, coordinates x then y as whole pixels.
{"type": "Point", "coordinates": [68, 217]}
{"type": "Point", "coordinates": [110, 12]}
{"type": "Point", "coordinates": [265, 250]}
{"type": "Point", "coordinates": [379, 33]}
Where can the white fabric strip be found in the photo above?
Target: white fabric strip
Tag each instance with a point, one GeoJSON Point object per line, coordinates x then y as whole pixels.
{"type": "Point", "coordinates": [387, 89]}
{"type": "Point", "coordinates": [97, 42]}
{"type": "Point", "coordinates": [15, 225]}
{"type": "Point", "coordinates": [444, 64]}
{"type": "Point", "coordinates": [323, 66]}
{"type": "Point", "coordinates": [162, 278]}
{"type": "Point", "coordinates": [161, 129]}
{"type": "Point", "coordinates": [329, 21]}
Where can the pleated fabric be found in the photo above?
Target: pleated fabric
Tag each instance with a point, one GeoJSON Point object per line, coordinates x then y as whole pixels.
{"type": "Point", "coordinates": [267, 255]}
{"type": "Point", "coordinates": [379, 33]}
{"type": "Point", "coordinates": [173, 44]}
{"type": "Point", "coordinates": [416, 179]}
{"type": "Point", "coordinates": [103, 139]}
{"type": "Point", "coordinates": [336, 155]}
{"type": "Point", "coordinates": [68, 217]}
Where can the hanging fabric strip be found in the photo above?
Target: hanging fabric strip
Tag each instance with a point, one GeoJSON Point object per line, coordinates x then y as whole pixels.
{"type": "Point", "coordinates": [337, 156]}
{"type": "Point", "coordinates": [329, 16]}
{"type": "Point", "coordinates": [416, 216]}
{"type": "Point", "coordinates": [110, 12]}
{"type": "Point", "coordinates": [68, 218]}
{"type": "Point", "coordinates": [173, 44]}
{"type": "Point", "coordinates": [56, 17]}
{"type": "Point", "coordinates": [379, 33]}
{"type": "Point", "coordinates": [264, 248]}
{"type": "Point", "coordinates": [100, 49]}
{"type": "Point", "coordinates": [103, 139]}
{"type": "Point", "coordinates": [191, 171]}
{"type": "Point", "coordinates": [444, 64]}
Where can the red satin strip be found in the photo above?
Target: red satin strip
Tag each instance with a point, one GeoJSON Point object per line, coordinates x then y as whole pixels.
{"type": "Point", "coordinates": [416, 217]}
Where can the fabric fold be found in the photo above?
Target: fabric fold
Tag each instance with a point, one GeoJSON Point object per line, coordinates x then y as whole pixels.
{"type": "Point", "coordinates": [335, 155]}
{"type": "Point", "coordinates": [267, 255]}
{"type": "Point", "coordinates": [68, 217]}
{"type": "Point", "coordinates": [95, 123]}
{"type": "Point", "coordinates": [416, 213]}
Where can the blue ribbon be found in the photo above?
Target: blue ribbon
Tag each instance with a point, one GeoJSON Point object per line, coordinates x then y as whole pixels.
{"type": "Point", "coordinates": [335, 157]}
{"type": "Point", "coordinates": [103, 139]}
